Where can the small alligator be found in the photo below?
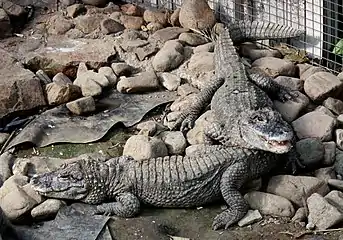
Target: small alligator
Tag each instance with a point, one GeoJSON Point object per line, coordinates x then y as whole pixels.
{"type": "Point", "coordinates": [243, 112]}
{"type": "Point", "coordinates": [119, 185]}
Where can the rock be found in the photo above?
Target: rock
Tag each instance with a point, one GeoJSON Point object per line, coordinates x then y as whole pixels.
{"type": "Point", "coordinates": [5, 24]}
{"type": "Point", "coordinates": [142, 82]}
{"type": "Point", "coordinates": [202, 62]}
{"type": "Point", "coordinates": [322, 85]}
{"type": "Point", "coordinates": [88, 86]}
{"type": "Point", "coordinates": [208, 47]}
{"type": "Point", "coordinates": [335, 198]}
{"type": "Point", "coordinates": [196, 14]}
{"type": "Point", "coordinates": [13, 10]}
{"type": "Point", "coordinates": [329, 153]}
{"type": "Point", "coordinates": [6, 160]}
{"type": "Point", "coordinates": [99, 78]}
{"type": "Point", "coordinates": [311, 151]}
{"type": "Point", "coordinates": [88, 23]}
{"type": "Point", "coordinates": [81, 69]}
{"type": "Point", "coordinates": [167, 34]}
{"type": "Point", "coordinates": [43, 77]}
{"type": "Point", "coordinates": [3, 137]}
{"type": "Point", "coordinates": [109, 74]}
{"type": "Point", "coordinates": [156, 16]}
{"type": "Point", "coordinates": [132, 34]}
{"type": "Point", "coordinates": [308, 71]}
{"type": "Point", "coordinates": [66, 3]}
{"type": "Point", "coordinates": [74, 34]}
{"type": "Point", "coordinates": [323, 110]}
{"type": "Point", "coordinates": [314, 125]}
{"type": "Point", "coordinates": [251, 217]}
{"type": "Point", "coordinates": [58, 94]}
{"type": "Point", "coordinates": [171, 118]}
{"type": "Point", "coordinates": [109, 26]}
{"type": "Point", "coordinates": [21, 167]}
{"type": "Point", "coordinates": [170, 81]}
{"type": "Point", "coordinates": [300, 215]}
{"type": "Point", "coordinates": [321, 213]}
{"type": "Point", "coordinates": [146, 51]}
{"type": "Point", "coordinates": [175, 141]}
{"type": "Point", "coordinates": [169, 57]}
{"type": "Point", "coordinates": [131, 45]}
{"type": "Point", "coordinates": [133, 10]}
{"type": "Point", "coordinates": [196, 134]}
{"type": "Point", "coordinates": [143, 147]}
{"type": "Point", "coordinates": [253, 52]}
{"type": "Point", "coordinates": [82, 105]}
{"type": "Point", "coordinates": [76, 10]}
{"type": "Point", "coordinates": [339, 138]}
{"type": "Point", "coordinates": [21, 90]}
{"type": "Point", "coordinates": [335, 105]}
{"type": "Point", "coordinates": [147, 128]}
{"type": "Point", "coordinates": [121, 69]}
{"type": "Point", "coordinates": [174, 18]}
{"type": "Point", "coordinates": [98, 3]}
{"type": "Point", "coordinates": [340, 119]}
{"type": "Point", "coordinates": [295, 188]}
{"type": "Point", "coordinates": [292, 83]}
{"type": "Point", "coordinates": [276, 66]}
{"type": "Point", "coordinates": [269, 204]}
{"type": "Point", "coordinates": [69, 53]}
{"type": "Point", "coordinates": [336, 183]}
{"type": "Point", "coordinates": [186, 89]}
{"type": "Point", "coordinates": [116, 16]}
{"type": "Point", "coordinates": [339, 162]}
{"type": "Point", "coordinates": [131, 22]}
{"type": "Point", "coordinates": [325, 173]}
{"type": "Point", "coordinates": [192, 39]}
{"type": "Point", "coordinates": [47, 209]}
{"type": "Point", "coordinates": [291, 109]}
{"type": "Point", "coordinates": [153, 27]}
{"type": "Point", "coordinates": [61, 79]}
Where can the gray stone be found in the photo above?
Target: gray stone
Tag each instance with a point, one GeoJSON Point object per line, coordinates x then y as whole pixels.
{"type": "Point", "coordinates": [196, 134]}
{"type": "Point", "coordinates": [201, 62]}
{"type": "Point", "coordinates": [74, 34]}
{"type": "Point", "coordinates": [167, 34]}
{"type": "Point", "coordinates": [121, 69]}
{"type": "Point", "coordinates": [174, 18]}
{"type": "Point", "coordinates": [251, 217]}
{"type": "Point", "coordinates": [109, 74]}
{"type": "Point", "coordinates": [89, 23]}
{"type": "Point", "coordinates": [170, 81]}
{"type": "Point", "coordinates": [154, 26]}
{"type": "Point", "coordinates": [300, 215]}
{"type": "Point", "coordinates": [324, 110]}
{"type": "Point", "coordinates": [336, 183]}
{"type": "Point", "coordinates": [82, 105]}
{"type": "Point", "coordinates": [295, 188]}
{"type": "Point", "coordinates": [5, 24]}
{"type": "Point", "coordinates": [175, 141]}
{"type": "Point", "coordinates": [339, 138]}
{"type": "Point", "coordinates": [321, 213]}
{"type": "Point", "coordinates": [330, 153]}
{"type": "Point", "coordinates": [192, 39]}
{"type": "Point", "coordinates": [208, 47]}
{"type": "Point", "coordinates": [132, 45]}
{"type": "Point", "coordinates": [339, 162]}
{"type": "Point", "coordinates": [147, 128]}
{"type": "Point", "coordinates": [322, 85]}
{"type": "Point", "coordinates": [144, 147]}
{"type": "Point", "coordinates": [6, 160]}
{"type": "Point", "coordinates": [59, 25]}
{"type": "Point", "coordinates": [61, 79]}
{"type": "Point", "coordinates": [109, 26]}
{"type": "Point", "coordinates": [47, 209]}
{"type": "Point", "coordinates": [269, 204]}
{"type": "Point", "coordinates": [335, 105]}
{"type": "Point", "coordinates": [291, 109]}
{"type": "Point", "coordinates": [21, 167]}
{"type": "Point", "coordinates": [43, 77]}
{"type": "Point", "coordinates": [142, 82]}
{"type": "Point", "coordinates": [292, 83]}
{"type": "Point", "coordinates": [311, 152]}
{"type": "Point", "coordinates": [156, 16]}
{"type": "Point", "coordinates": [276, 66]}
{"type": "Point", "coordinates": [75, 10]}
{"type": "Point", "coordinates": [182, 103]}
{"type": "Point", "coordinates": [3, 137]}
{"type": "Point", "coordinates": [325, 173]}
{"type": "Point", "coordinates": [100, 79]}
{"type": "Point", "coordinates": [314, 125]}
{"type": "Point", "coordinates": [253, 52]}
{"type": "Point", "coordinates": [335, 198]}
{"type": "Point", "coordinates": [132, 22]}
{"type": "Point", "coordinates": [146, 51]}
{"type": "Point", "coordinates": [186, 89]}
{"type": "Point", "coordinates": [306, 70]}
{"type": "Point", "coordinates": [58, 94]}
{"type": "Point", "coordinates": [169, 57]}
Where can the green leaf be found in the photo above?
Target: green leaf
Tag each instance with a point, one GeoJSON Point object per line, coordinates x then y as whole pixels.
{"type": "Point", "coordinates": [338, 49]}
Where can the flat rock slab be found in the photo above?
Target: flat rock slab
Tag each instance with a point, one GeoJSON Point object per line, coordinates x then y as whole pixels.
{"type": "Point", "coordinates": [64, 55]}
{"type": "Point", "coordinates": [57, 125]}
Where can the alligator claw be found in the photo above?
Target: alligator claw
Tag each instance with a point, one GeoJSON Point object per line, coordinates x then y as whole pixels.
{"type": "Point", "coordinates": [286, 94]}
{"type": "Point", "coordinates": [223, 220]}
{"type": "Point", "coordinates": [188, 123]}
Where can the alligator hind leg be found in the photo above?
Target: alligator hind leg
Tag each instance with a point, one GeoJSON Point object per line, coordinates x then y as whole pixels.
{"type": "Point", "coordinates": [232, 180]}
{"type": "Point", "coordinates": [127, 205]}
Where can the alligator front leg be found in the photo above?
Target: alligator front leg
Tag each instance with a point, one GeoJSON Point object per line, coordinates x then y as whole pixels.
{"type": "Point", "coordinates": [126, 205]}
{"type": "Point", "coordinates": [187, 118]}
{"type": "Point", "coordinates": [267, 84]}
{"type": "Point", "coordinates": [232, 180]}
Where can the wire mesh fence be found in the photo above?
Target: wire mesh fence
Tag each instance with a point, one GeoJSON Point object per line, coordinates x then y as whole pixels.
{"type": "Point", "coordinates": [321, 19]}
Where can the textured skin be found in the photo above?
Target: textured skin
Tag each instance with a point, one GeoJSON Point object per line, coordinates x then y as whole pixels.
{"type": "Point", "coordinates": [243, 112]}
{"type": "Point", "coordinates": [173, 181]}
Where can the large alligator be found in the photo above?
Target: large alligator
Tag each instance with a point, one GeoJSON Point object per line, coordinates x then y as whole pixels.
{"type": "Point", "coordinates": [243, 112]}
{"type": "Point", "coordinates": [119, 185]}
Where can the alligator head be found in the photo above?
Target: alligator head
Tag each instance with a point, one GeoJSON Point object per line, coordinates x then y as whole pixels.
{"type": "Point", "coordinates": [265, 129]}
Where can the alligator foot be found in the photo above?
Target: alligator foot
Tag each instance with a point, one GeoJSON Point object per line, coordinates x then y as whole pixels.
{"type": "Point", "coordinates": [285, 94]}
{"type": "Point", "coordinates": [225, 219]}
